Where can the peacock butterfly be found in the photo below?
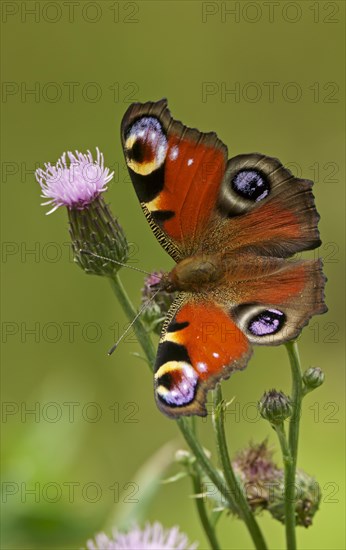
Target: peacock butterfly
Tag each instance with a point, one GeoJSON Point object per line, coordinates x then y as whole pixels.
{"type": "Point", "coordinates": [230, 225]}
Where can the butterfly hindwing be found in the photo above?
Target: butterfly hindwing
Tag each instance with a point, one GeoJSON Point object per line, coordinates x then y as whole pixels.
{"type": "Point", "coordinates": [209, 338]}
{"type": "Point", "coordinates": [272, 310]}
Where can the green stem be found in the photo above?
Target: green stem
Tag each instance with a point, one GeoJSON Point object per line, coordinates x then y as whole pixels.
{"type": "Point", "coordinates": [142, 335]}
{"type": "Point", "coordinates": [197, 483]}
{"type": "Point", "coordinates": [233, 485]}
{"type": "Point", "coordinates": [204, 461]}
{"type": "Point", "coordinates": [297, 396]}
{"type": "Point", "coordinates": [290, 449]}
{"type": "Point", "coordinates": [290, 519]}
{"type": "Point", "coordinates": [202, 512]}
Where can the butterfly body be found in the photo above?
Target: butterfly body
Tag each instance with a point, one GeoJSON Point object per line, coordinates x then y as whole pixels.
{"type": "Point", "coordinates": [230, 225]}
{"type": "Point", "coordinates": [205, 272]}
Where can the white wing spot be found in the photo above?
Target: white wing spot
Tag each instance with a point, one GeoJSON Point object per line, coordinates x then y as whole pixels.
{"type": "Point", "coordinates": [202, 367]}
{"type": "Point", "coordinates": [174, 153]}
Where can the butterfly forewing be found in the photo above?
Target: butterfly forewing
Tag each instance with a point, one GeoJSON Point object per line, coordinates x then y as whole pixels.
{"type": "Point", "coordinates": [177, 173]}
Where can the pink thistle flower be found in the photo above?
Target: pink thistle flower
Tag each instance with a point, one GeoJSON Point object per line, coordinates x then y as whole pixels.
{"type": "Point", "coordinates": [76, 183]}
{"type": "Point", "coordinates": [156, 310]}
{"type": "Point", "coordinates": [152, 537]}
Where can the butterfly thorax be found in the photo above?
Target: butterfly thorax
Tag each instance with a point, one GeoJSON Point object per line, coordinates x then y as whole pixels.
{"type": "Point", "coordinates": [194, 274]}
{"type": "Point", "coordinates": [206, 271]}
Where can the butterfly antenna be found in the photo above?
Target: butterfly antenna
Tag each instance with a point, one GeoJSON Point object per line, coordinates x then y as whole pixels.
{"type": "Point", "coordinates": [115, 262]}
{"type": "Point", "coordinates": [114, 347]}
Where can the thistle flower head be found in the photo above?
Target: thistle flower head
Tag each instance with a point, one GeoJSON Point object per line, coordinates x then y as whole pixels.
{"type": "Point", "coordinates": [150, 282]}
{"type": "Point", "coordinates": [264, 485]}
{"type": "Point", "coordinates": [256, 470]}
{"type": "Point", "coordinates": [152, 537]}
{"type": "Point", "coordinates": [75, 182]}
{"type": "Point", "coordinates": [256, 462]}
{"type": "Point", "coordinates": [157, 309]}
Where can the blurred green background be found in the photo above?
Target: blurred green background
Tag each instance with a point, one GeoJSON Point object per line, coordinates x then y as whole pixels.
{"type": "Point", "coordinates": [266, 77]}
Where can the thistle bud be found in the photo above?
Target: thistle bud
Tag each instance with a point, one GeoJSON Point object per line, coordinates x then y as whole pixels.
{"type": "Point", "coordinates": [156, 310]}
{"type": "Point", "coordinates": [275, 406]}
{"type": "Point", "coordinates": [93, 230]}
{"type": "Point", "coordinates": [264, 485]}
{"type": "Point", "coordinates": [307, 498]}
{"type": "Point", "coordinates": [313, 378]}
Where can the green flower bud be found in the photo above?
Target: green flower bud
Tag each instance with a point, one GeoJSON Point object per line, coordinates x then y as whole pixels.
{"type": "Point", "coordinates": [93, 230]}
{"type": "Point", "coordinates": [307, 493]}
{"type": "Point", "coordinates": [184, 457]}
{"type": "Point", "coordinates": [275, 406]}
{"type": "Point", "coordinates": [313, 378]}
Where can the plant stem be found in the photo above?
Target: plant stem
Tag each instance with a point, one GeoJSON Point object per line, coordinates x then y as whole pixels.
{"type": "Point", "coordinates": [202, 512]}
{"type": "Point", "coordinates": [142, 336]}
{"type": "Point", "coordinates": [290, 519]}
{"type": "Point", "coordinates": [197, 483]}
{"type": "Point", "coordinates": [204, 461]}
{"type": "Point", "coordinates": [233, 485]}
{"type": "Point", "coordinates": [290, 449]}
{"type": "Point", "coordinates": [297, 396]}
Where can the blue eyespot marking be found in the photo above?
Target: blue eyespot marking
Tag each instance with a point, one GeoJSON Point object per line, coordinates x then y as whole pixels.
{"type": "Point", "coordinates": [269, 321]}
{"type": "Point", "coordinates": [251, 185]}
{"type": "Point", "coordinates": [176, 383]}
{"type": "Point", "coordinates": [145, 146]}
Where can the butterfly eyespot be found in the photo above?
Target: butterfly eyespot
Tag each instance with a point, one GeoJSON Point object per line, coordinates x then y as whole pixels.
{"type": "Point", "coordinates": [269, 321]}
{"type": "Point", "coordinates": [176, 383]}
{"type": "Point", "coordinates": [251, 185]}
{"type": "Point", "coordinates": [145, 146]}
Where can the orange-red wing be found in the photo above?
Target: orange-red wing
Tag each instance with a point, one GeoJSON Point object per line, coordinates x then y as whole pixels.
{"type": "Point", "coordinates": [273, 309]}
{"type": "Point", "coordinates": [200, 346]}
{"type": "Point", "coordinates": [269, 211]}
{"type": "Point", "coordinates": [177, 173]}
